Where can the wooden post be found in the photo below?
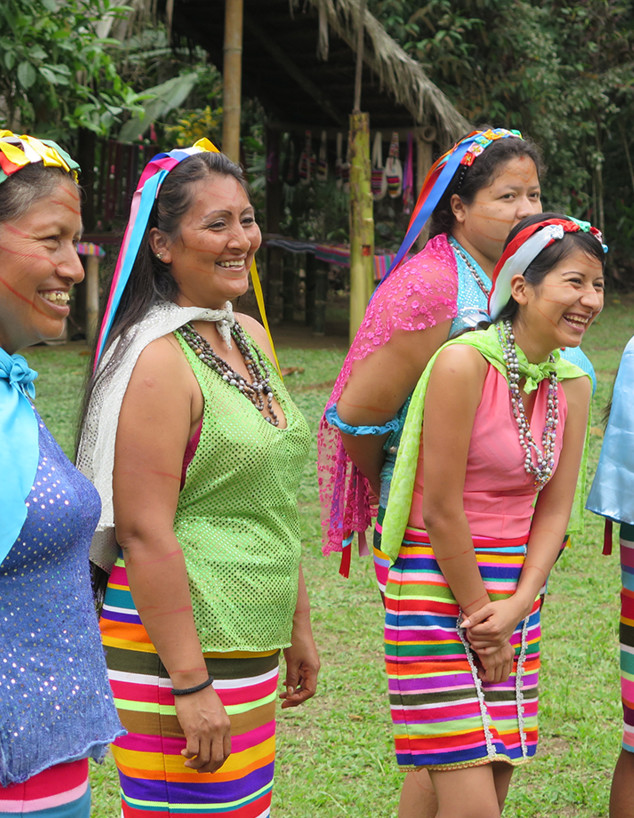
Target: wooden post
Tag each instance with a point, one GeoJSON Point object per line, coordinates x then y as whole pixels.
{"type": "Point", "coordinates": [92, 297]}
{"type": "Point", "coordinates": [361, 221]}
{"type": "Point", "coordinates": [309, 291]}
{"type": "Point", "coordinates": [232, 79]}
{"type": "Point", "coordinates": [424, 140]}
{"type": "Point", "coordinates": [321, 298]}
{"type": "Point", "coordinates": [361, 202]}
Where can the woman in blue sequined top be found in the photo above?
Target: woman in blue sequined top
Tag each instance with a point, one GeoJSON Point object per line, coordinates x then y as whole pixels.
{"type": "Point", "coordinates": [55, 699]}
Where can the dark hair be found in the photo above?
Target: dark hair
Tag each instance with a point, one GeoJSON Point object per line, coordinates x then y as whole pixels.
{"type": "Point", "coordinates": [469, 179]}
{"type": "Point", "coordinates": [27, 186]}
{"type": "Point", "coordinates": [550, 256]}
{"type": "Point", "coordinates": [151, 280]}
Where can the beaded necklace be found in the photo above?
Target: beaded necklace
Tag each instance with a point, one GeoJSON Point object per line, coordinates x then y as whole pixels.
{"type": "Point", "coordinates": [543, 469]}
{"type": "Point", "coordinates": [470, 267]}
{"type": "Point", "coordinates": [258, 391]}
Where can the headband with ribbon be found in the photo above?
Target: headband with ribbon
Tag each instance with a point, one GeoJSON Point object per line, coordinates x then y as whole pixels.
{"type": "Point", "coordinates": [146, 193]}
{"type": "Point", "coordinates": [18, 151]}
{"type": "Point", "coordinates": [439, 178]}
{"type": "Point", "coordinates": [524, 249]}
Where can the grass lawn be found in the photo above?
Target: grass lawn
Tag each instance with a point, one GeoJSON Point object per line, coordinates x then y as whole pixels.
{"type": "Point", "coordinates": [335, 754]}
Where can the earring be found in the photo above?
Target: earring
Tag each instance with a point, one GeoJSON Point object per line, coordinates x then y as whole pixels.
{"type": "Point", "coordinates": [159, 256]}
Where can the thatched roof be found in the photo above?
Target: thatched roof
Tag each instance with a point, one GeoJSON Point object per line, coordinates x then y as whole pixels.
{"type": "Point", "coordinates": [299, 61]}
{"type": "Point", "coordinates": [399, 75]}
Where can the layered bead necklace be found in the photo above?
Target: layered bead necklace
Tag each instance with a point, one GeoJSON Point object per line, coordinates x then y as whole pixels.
{"type": "Point", "coordinates": [540, 464]}
{"type": "Point", "coordinates": [258, 391]}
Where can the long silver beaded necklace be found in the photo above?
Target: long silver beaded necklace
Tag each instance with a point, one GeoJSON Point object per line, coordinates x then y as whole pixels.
{"type": "Point", "coordinates": [258, 391]}
{"type": "Point", "coordinates": [470, 267]}
{"type": "Point", "coordinates": [540, 464]}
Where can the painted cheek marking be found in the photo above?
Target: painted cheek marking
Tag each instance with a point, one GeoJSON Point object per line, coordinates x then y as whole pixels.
{"type": "Point", "coordinates": [164, 474]}
{"type": "Point", "coordinates": [26, 256]}
{"type": "Point", "coordinates": [72, 195]}
{"type": "Point", "coordinates": [157, 612]}
{"type": "Point", "coordinates": [14, 292]}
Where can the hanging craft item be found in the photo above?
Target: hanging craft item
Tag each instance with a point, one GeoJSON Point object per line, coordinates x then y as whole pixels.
{"type": "Point", "coordinates": [289, 166]}
{"type": "Point", "coordinates": [322, 165]}
{"type": "Point", "coordinates": [339, 162]}
{"type": "Point", "coordinates": [272, 166]}
{"type": "Point", "coordinates": [305, 164]}
{"type": "Point", "coordinates": [394, 169]}
{"type": "Point", "coordinates": [408, 176]}
{"type": "Point", "coordinates": [379, 180]}
{"type": "Point", "coordinates": [345, 171]}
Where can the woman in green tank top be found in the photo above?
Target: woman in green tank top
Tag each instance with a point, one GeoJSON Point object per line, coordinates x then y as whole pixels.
{"type": "Point", "coordinates": [197, 450]}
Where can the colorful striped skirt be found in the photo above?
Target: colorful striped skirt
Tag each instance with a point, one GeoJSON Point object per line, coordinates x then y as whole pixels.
{"type": "Point", "coordinates": [443, 715]}
{"type": "Point", "coordinates": [62, 791]}
{"type": "Point", "coordinates": [154, 779]}
{"type": "Point", "coordinates": [626, 635]}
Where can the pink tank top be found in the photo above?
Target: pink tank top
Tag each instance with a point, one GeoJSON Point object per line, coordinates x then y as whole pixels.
{"type": "Point", "coordinates": [498, 494]}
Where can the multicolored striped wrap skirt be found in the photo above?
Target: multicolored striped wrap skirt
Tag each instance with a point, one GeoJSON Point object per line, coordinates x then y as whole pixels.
{"type": "Point", "coordinates": [444, 716]}
{"type": "Point", "coordinates": [154, 780]}
{"type": "Point", "coordinates": [626, 635]}
{"type": "Point", "coordinates": [61, 791]}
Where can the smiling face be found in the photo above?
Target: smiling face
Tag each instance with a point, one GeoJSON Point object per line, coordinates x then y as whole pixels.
{"type": "Point", "coordinates": [211, 255]}
{"type": "Point", "coordinates": [557, 312]}
{"type": "Point", "coordinates": [482, 226]}
{"type": "Point", "coordinates": [38, 266]}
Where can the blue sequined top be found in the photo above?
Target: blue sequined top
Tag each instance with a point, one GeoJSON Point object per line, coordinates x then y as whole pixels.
{"type": "Point", "coordinates": [55, 699]}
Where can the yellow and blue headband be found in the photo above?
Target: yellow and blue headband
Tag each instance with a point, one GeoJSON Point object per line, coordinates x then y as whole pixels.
{"type": "Point", "coordinates": [143, 200]}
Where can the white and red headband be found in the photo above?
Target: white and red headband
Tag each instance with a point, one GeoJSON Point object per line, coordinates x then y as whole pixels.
{"type": "Point", "coordinates": [519, 254]}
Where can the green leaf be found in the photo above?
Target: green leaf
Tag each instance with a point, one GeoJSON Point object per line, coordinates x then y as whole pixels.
{"type": "Point", "coordinates": [26, 74]}
{"type": "Point", "coordinates": [163, 98]}
{"type": "Point", "coordinates": [37, 53]}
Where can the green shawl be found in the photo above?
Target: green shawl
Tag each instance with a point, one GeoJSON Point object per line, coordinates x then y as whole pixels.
{"type": "Point", "coordinates": [488, 344]}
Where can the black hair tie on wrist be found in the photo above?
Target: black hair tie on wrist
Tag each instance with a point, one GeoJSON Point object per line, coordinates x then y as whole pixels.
{"type": "Point", "coordinates": [185, 691]}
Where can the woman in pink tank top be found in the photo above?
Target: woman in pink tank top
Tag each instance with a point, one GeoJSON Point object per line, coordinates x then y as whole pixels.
{"type": "Point", "coordinates": [480, 500]}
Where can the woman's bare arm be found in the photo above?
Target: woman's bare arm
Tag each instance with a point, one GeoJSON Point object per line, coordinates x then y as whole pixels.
{"type": "Point", "coordinates": [154, 426]}
{"type": "Point", "coordinates": [377, 388]}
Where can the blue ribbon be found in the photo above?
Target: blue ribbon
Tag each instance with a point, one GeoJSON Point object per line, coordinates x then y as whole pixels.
{"type": "Point", "coordinates": [19, 445]}
{"type": "Point", "coordinates": [148, 197]}
{"type": "Point", "coordinates": [415, 228]}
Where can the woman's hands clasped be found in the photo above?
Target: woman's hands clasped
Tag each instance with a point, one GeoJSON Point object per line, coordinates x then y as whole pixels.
{"type": "Point", "coordinates": [488, 631]}
{"type": "Point", "coordinates": [207, 729]}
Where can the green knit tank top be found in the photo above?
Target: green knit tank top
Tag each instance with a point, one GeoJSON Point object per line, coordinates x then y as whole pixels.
{"type": "Point", "coordinates": [237, 519]}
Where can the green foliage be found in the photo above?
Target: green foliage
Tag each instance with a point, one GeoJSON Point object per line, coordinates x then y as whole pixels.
{"type": "Point", "coordinates": [56, 72]}
{"type": "Point", "coordinates": [562, 71]}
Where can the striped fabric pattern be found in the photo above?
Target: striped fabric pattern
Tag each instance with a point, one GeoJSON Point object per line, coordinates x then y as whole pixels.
{"type": "Point", "coordinates": [154, 780]}
{"type": "Point", "coordinates": [626, 634]}
{"type": "Point", "coordinates": [61, 791]}
{"type": "Point", "coordinates": [443, 715]}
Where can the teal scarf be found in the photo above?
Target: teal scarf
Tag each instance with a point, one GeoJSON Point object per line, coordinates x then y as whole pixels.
{"type": "Point", "coordinates": [19, 449]}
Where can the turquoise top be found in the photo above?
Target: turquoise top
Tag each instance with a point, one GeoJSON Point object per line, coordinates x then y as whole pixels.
{"type": "Point", "coordinates": [612, 492]}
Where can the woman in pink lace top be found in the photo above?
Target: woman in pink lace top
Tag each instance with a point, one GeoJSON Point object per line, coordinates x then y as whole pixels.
{"type": "Point", "coordinates": [440, 290]}
{"type": "Point", "coordinates": [474, 194]}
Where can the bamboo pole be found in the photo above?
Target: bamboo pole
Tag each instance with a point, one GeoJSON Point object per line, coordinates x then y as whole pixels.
{"type": "Point", "coordinates": [361, 203]}
{"type": "Point", "coordinates": [232, 79]}
{"type": "Point", "coordinates": [92, 297]}
{"type": "Point", "coordinates": [361, 220]}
